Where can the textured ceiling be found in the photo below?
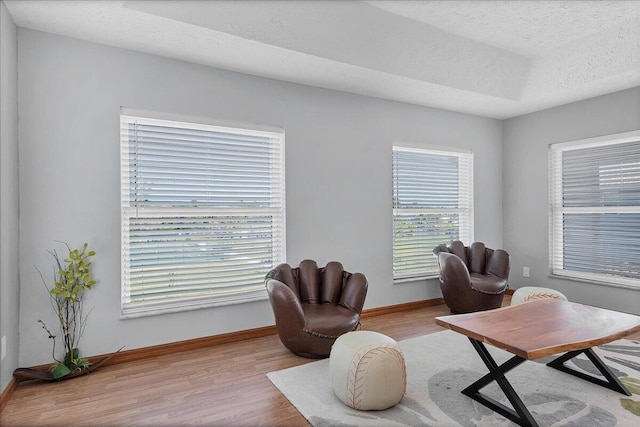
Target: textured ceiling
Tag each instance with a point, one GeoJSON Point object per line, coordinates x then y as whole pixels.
{"type": "Point", "coordinates": [491, 58]}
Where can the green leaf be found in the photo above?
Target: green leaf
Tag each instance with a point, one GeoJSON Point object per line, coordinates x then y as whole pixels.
{"type": "Point", "coordinates": [60, 371]}
{"type": "Point", "coordinates": [71, 361]}
{"type": "Point", "coordinates": [82, 363]}
{"type": "Point", "coordinates": [633, 384]}
{"type": "Point", "coordinates": [631, 406]}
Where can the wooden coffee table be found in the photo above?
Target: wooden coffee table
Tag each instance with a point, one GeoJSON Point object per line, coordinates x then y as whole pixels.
{"type": "Point", "coordinates": [537, 329]}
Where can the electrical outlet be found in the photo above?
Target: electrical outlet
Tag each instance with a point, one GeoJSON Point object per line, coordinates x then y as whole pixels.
{"type": "Point", "coordinates": [4, 347]}
{"type": "Point", "coordinates": [525, 271]}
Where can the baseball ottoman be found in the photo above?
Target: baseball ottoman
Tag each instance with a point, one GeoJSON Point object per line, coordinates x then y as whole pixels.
{"type": "Point", "coordinates": [367, 370]}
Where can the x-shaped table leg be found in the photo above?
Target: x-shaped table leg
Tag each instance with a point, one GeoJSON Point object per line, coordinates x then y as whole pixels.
{"type": "Point", "coordinates": [521, 415]}
{"type": "Point", "coordinates": [612, 382]}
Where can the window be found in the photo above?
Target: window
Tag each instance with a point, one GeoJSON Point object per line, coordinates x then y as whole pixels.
{"type": "Point", "coordinates": [595, 209]}
{"type": "Point", "coordinates": [432, 204]}
{"type": "Point", "coordinates": [202, 212]}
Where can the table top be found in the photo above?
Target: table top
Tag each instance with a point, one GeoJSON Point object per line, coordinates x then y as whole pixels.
{"type": "Point", "coordinates": [541, 328]}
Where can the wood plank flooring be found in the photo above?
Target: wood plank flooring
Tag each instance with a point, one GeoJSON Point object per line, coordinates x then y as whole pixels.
{"type": "Point", "coordinates": [223, 385]}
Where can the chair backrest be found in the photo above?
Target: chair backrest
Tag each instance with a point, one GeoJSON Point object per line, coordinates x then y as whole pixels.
{"type": "Point", "coordinates": [478, 258]}
{"type": "Point", "coordinates": [321, 285]}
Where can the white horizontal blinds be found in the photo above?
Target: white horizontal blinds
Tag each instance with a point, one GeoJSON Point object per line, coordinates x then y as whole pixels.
{"type": "Point", "coordinates": [432, 204]}
{"type": "Point", "coordinates": [203, 214]}
{"type": "Point", "coordinates": [595, 211]}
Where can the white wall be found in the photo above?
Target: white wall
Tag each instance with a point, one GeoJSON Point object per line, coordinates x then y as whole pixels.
{"type": "Point", "coordinates": [338, 165]}
{"type": "Point", "coordinates": [9, 239]}
{"type": "Point", "coordinates": [525, 188]}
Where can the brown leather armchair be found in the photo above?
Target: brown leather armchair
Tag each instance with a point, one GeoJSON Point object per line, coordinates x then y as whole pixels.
{"type": "Point", "coordinates": [314, 306]}
{"type": "Point", "coordinates": [472, 278]}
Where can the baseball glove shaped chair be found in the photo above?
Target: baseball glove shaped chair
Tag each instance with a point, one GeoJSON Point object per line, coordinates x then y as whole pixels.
{"type": "Point", "coordinates": [472, 278]}
{"type": "Point", "coordinates": [313, 306]}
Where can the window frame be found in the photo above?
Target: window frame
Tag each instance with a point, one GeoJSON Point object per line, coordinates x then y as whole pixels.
{"type": "Point", "coordinates": [131, 309]}
{"type": "Point", "coordinates": [466, 196]}
{"type": "Point", "coordinates": [556, 210]}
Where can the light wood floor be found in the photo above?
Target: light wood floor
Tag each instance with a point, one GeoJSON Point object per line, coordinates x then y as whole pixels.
{"type": "Point", "coordinates": [223, 385]}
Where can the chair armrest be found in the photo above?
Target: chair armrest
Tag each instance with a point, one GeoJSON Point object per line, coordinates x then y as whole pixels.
{"type": "Point", "coordinates": [453, 270]}
{"type": "Point", "coordinates": [498, 264]}
{"type": "Point", "coordinates": [286, 306]}
{"type": "Point", "coordinates": [354, 292]}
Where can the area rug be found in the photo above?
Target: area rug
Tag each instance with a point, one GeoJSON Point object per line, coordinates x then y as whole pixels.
{"type": "Point", "coordinates": [439, 365]}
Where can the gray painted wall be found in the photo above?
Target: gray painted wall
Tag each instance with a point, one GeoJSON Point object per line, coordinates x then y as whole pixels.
{"type": "Point", "coordinates": [525, 188]}
{"type": "Point", "coordinates": [9, 237]}
{"type": "Point", "coordinates": [338, 166]}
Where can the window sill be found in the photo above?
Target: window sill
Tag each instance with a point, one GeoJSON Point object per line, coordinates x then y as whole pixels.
{"type": "Point", "coordinates": [414, 279]}
{"type": "Point", "coordinates": [593, 281]}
